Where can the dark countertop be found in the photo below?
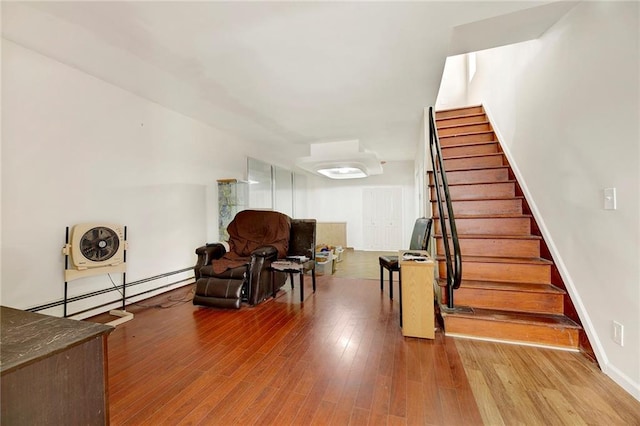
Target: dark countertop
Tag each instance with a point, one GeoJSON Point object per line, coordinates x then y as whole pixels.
{"type": "Point", "coordinates": [26, 337]}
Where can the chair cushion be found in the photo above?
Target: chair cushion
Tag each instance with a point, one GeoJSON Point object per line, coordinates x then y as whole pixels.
{"type": "Point", "coordinates": [219, 287]}
{"type": "Point", "coordinates": [218, 292]}
{"type": "Point", "coordinates": [389, 262]}
{"type": "Point", "coordinates": [216, 302]}
{"type": "Point", "coordinates": [233, 273]}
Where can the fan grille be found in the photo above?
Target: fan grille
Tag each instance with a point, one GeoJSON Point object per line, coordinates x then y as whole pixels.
{"type": "Point", "coordinates": [99, 244]}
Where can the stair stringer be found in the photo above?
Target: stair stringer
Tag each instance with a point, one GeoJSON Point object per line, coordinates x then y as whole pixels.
{"type": "Point", "coordinates": [589, 343]}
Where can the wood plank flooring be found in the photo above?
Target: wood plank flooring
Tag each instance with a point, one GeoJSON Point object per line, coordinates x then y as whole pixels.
{"type": "Point", "coordinates": [532, 386]}
{"type": "Point", "coordinates": [338, 359]}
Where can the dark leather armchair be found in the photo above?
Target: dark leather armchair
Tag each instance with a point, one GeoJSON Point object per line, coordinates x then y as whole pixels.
{"type": "Point", "coordinates": [419, 241]}
{"type": "Point", "coordinates": [225, 278]}
{"type": "Point", "coordinates": [303, 243]}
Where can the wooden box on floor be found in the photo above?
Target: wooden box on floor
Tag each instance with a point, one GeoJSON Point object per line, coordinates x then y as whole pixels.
{"type": "Point", "coordinates": [417, 296]}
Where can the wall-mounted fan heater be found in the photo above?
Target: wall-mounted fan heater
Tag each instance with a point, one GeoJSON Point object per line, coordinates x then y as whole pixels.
{"type": "Point", "coordinates": [96, 249]}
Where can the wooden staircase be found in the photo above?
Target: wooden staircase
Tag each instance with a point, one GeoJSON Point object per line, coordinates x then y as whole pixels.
{"type": "Point", "coordinates": [508, 290]}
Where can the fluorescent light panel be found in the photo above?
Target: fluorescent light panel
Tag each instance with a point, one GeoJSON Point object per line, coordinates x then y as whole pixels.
{"type": "Point", "coordinates": [340, 160]}
{"type": "Point", "coordinates": [343, 172]}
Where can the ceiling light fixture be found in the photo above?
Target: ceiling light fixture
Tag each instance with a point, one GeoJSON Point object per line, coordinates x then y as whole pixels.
{"type": "Point", "coordinates": [340, 160]}
{"type": "Point", "coordinates": [343, 172]}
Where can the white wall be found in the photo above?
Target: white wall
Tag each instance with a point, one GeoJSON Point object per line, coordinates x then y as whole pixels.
{"type": "Point", "coordinates": [566, 106]}
{"type": "Point", "coordinates": [341, 200]}
{"type": "Point", "coordinates": [453, 87]}
{"type": "Point", "coordinates": [76, 149]}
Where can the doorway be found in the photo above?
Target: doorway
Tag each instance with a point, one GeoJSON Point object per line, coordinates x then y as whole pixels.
{"type": "Point", "coordinates": [382, 218]}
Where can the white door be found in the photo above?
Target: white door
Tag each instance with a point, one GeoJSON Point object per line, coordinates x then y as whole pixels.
{"type": "Point", "coordinates": [382, 218]}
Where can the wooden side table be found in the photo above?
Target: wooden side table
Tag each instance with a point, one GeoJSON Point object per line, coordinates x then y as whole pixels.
{"type": "Point", "coordinates": [417, 296]}
{"type": "Point", "coordinates": [290, 268]}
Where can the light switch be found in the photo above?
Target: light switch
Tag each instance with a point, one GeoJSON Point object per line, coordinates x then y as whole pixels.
{"type": "Point", "coordinates": [609, 198]}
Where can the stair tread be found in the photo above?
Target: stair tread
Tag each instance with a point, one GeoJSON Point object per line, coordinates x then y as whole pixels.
{"type": "Point", "coordinates": [452, 126]}
{"type": "Point", "coordinates": [436, 215]}
{"type": "Point", "coordinates": [459, 157]}
{"type": "Point", "coordinates": [501, 166]}
{"type": "Point", "coordinates": [495, 236]}
{"type": "Point", "coordinates": [495, 259]}
{"type": "Point", "coordinates": [507, 286]}
{"type": "Point", "coordinates": [474, 114]}
{"type": "Point", "coordinates": [549, 320]}
{"type": "Point", "coordinates": [486, 182]}
{"type": "Point", "coordinates": [459, 108]}
{"type": "Point", "coordinates": [469, 144]}
{"type": "Point", "coordinates": [491, 216]}
{"type": "Point", "coordinates": [465, 134]}
{"type": "Point", "coordinates": [516, 197]}
{"type": "Point", "coordinates": [464, 169]}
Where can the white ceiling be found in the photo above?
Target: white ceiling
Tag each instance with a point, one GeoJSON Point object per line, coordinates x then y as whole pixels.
{"type": "Point", "coordinates": [281, 73]}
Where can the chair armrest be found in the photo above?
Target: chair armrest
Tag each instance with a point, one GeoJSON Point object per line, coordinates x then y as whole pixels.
{"type": "Point", "coordinates": [266, 251]}
{"type": "Point", "coordinates": [259, 277]}
{"type": "Point", "coordinates": [206, 254]}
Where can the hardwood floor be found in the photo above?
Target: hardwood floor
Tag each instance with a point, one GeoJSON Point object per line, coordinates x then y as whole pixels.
{"type": "Point", "coordinates": [362, 264]}
{"type": "Point", "coordinates": [337, 359]}
{"type": "Point", "coordinates": [532, 386]}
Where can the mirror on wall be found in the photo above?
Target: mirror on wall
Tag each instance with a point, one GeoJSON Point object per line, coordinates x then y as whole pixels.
{"type": "Point", "coordinates": [283, 190]}
{"type": "Point", "coordinates": [275, 188]}
{"type": "Point", "coordinates": [271, 187]}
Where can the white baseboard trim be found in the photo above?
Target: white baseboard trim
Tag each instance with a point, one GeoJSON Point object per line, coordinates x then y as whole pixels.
{"type": "Point", "coordinates": [622, 380]}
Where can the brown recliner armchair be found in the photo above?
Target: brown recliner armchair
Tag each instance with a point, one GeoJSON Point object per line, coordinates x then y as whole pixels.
{"type": "Point", "coordinates": [242, 274]}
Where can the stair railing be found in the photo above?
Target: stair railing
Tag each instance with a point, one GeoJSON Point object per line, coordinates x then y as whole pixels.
{"type": "Point", "coordinates": [445, 210]}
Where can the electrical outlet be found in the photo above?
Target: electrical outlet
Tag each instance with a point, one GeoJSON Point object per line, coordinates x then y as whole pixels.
{"type": "Point", "coordinates": [618, 333]}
